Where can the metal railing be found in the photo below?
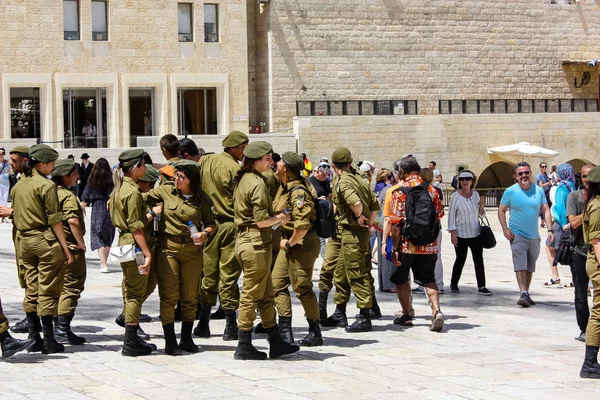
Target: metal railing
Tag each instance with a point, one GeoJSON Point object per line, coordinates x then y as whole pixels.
{"type": "Point", "coordinates": [491, 196]}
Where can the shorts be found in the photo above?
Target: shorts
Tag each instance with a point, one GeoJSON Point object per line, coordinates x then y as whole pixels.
{"type": "Point", "coordinates": [422, 265]}
{"type": "Point", "coordinates": [557, 230]}
{"type": "Point", "coordinates": [525, 253]}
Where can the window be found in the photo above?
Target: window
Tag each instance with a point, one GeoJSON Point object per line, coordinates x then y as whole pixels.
{"type": "Point", "coordinates": [25, 113]}
{"type": "Point", "coordinates": [197, 111]}
{"type": "Point", "coordinates": [141, 122]}
{"type": "Point", "coordinates": [99, 21]}
{"type": "Point", "coordinates": [84, 118]}
{"type": "Point", "coordinates": [71, 19]}
{"type": "Point", "coordinates": [185, 22]}
{"type": "Point", "coordinates": [211, 23]}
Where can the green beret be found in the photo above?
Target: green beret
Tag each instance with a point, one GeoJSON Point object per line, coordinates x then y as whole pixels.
{"type": "Point", "coordinates": [22, 151]}
{"type": "Point", "coordinates": [235, 138]}
{"type": "Point", "coordinates": [341, 155]}
{"type": "Point", "coordinates": [189, 168]}
{"type": "Point", "coordinates": [42, 153]}
{"type": "Point", "coordinates": [151, 174]}
{"type": "Point", "coordinates": [294, 161]}
{"type": "Point", "coordinates": [129, 158]}
{"type": "Point", "coordinates": [594, 175]}
{"type": "Point", "coordinates": [63, 168]}
{"type": "Point", "coordinates": [256, 150]}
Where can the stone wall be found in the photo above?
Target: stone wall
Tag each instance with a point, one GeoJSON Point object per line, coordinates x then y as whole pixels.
{"type": "Point", "coordinates": [426, 51]}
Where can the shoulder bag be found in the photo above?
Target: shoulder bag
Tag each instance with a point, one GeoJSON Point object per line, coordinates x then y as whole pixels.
{"type": "Point", "coordinates": [486, 236]}
{"type": "Point", "coordinates": [121, 254]}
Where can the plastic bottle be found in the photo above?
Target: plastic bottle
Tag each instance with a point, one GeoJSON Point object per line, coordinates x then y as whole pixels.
{"type": "Point", "coordinates": [139, 259]}
{"type": "Point", "coordinates": [287, 211]}
{"type": "Point", "coordinates": [193, 230]}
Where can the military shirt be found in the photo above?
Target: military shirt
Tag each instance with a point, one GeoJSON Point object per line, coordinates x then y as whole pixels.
{"type": "Point", "coordinates": [300, 203]}
{"type": "Point", "coordinates": [272, 182]}
{"type": "Point", "coordinates": [178, 211]}
{"type": "Point", "coordinates": [70, 209]}
{"type": "Point", "coordinates": [128, 211]}
{"type": "Point", "coordinates": [349, 189]}
{"type": "Point", "coordinates": [174, 161]}
{"type": "Point", "coordinates": [591, 225]}
{"type": "Point", "coordinates": [252, 202]}
{"type": "Point", "coordinates": [217, 173]}
{"type": "Point", "coordinates": [35, 203]}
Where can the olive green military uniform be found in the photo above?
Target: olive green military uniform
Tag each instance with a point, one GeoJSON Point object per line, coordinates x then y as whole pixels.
{"type": "Point", "coordinates": [332, 253]}
{"type": "Point", "coordinates": [273, 185]}
{"type": "Point", "coordinates": [252, 204]}
{"type": "Point", "coordinates": [22, 151]}
{"type": "Point", "coordinates": [295, 266]}
{"type": "Point", "coordinates": [591, 231]}
{"type": "Point", "coordinates": [75, 273]}
{"type": "Point", "coordinates": [178, 259]}
{"type": "Point", "coordinates": [174, 161]}
{"type": "Point", "coordinates": [127, 212]}
{"type": "Point", "coordinates": [36, 209]}
{"type": "Point", "coordinates": [3, 320]}
{"type": "Point", "coordinates": [221, 267]}
{"type": "Point", "coordinates": [353, 270]}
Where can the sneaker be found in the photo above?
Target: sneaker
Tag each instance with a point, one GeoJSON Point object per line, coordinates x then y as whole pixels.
{"type": "Point", "coordinates": [528, 298]}
{"type": "Point", "coordinates": [523, 302]}
{"type": "Point", "coordinates": [441, 291]}
{"type": "Point", "coordinates": [404, 320]}
{"type": "Point", "coordinates": [581, 337]}
{"type": "Point", "coordinates": [437, 322]}
{"type": "Point", "coordinates": [103, 270]}
{"type": "Point", "coordinates": [454, 288]}
{"type": "Point", "coordinates": [418, 289]}
{"type": "Point", "coordinates": [484, 291]}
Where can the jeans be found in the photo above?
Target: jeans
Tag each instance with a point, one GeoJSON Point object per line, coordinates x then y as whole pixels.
{"type": "Point", "coordinates": [461, 249]}
{"type": "Point", "coordinates": [580, 283]}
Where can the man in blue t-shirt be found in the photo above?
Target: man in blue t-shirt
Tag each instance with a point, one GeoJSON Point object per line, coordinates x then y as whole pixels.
{"type": "Point", "coordinates": [524, 199]}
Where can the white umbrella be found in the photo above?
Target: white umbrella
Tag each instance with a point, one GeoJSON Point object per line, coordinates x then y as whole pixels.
{"type": "Point", "coordinates": [523, 149]}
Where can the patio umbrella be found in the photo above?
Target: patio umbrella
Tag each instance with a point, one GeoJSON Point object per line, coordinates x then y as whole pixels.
{"type": "Point", "coordinates": [523, 149]}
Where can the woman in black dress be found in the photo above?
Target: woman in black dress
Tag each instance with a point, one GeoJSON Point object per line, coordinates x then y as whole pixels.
{"type": "Point", "coordinates": [97, 192]}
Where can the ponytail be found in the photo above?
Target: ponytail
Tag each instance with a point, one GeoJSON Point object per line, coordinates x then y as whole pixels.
{"type": "Point", "coordinates": [121, 171]}
{"type": "Point", "coordinates": [247, 165]}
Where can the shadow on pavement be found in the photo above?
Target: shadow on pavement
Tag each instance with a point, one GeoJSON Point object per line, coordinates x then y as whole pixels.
{"type": "Point", "coordinates": [346, 342]}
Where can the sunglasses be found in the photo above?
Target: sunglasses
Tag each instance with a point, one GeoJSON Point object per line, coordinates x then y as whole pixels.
{"type": "Point", "coordinates": [523, 173]}
{"type": "Point", "coordinates": [544, 166]}
{"type": "Point", "coordinates": [464, 179]}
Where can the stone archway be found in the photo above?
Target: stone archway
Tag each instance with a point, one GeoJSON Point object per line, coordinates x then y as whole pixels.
{"type": "Point", "coordinates": [577, 163]}
{"type": "Point", "coordinates": [496, 175]}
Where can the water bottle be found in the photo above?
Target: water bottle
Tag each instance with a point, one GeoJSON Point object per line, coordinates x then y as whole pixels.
{"type": "Point", "coordinates": [193, 230]}
{"type": "Point", "coordinates": [139, 259]}
{"type": "Point", "coordinates": [287, 211]}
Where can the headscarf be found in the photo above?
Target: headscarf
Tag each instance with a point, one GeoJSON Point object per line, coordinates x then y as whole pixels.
{"type": "Point", "coordinates": [566, 174]}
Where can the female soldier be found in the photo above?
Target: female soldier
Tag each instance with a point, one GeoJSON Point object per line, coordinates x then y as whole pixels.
{"type": "Point", "coordinates": [44, 249]}
{"type": "Point", "coordinates": [179, 256]}
{"type": "Point", "coordinates": [253, 215]}
{"type": "Point", "coordinates": [64, 176]}
{"type": "Point", "coordinates": [300, 245]}
{"type": "Point", "coordinates": [128, 214]}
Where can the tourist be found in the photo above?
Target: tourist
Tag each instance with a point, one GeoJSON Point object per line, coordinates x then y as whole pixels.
{"type": "Point", "coordinates": [437, 176]}
{"type": "Point", "coordinates": [543, 181]}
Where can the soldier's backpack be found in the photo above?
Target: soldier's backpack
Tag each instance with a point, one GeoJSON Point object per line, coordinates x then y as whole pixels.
{"type": "Point", "coordinates": [325, 223]}
{"type": "Point", "coordinates": [421, 226]}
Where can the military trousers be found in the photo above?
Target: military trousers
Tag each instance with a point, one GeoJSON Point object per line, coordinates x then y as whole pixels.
{"type": "Point", "coordinates": [295, 268]}
{"type": "Point", "coordinates": [3, 320]}
{"type": "Point", "coordinates": [332, 253]}
{"type": "Point", "coordinates": [135, 285]}
{"type": "Point", "coordinates": [221, 269]}
{"type": "Point", "coordinates": [353, 270]}
{"type": "Point", "coordinates": [75, 275]}
{"type": "Point", "coordinates": [592, 332]}
{"type": "Point", "coordinates": [150, 286]}
{"type": "Point", "coordinates": [253, 251]}
{"type": "Point", "coordinates": [178, 271]}
{"type": "Point", "coordinates": [44, 264]}
{"type": "Point", "coordinates": [20, 267]}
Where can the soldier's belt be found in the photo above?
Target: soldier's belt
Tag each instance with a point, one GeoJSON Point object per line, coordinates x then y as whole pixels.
{"type": "Point", "coordinates": [175, 238]}
{"type": "Point", "coordinates": [248, 228]}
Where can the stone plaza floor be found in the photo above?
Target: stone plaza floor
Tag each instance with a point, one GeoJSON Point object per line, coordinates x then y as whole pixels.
{"type": "Point", "coordinates": [490, 348]}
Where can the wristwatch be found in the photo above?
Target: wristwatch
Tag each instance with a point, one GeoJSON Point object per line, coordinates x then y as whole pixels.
{"type": "Point", "coordinates": [152, 213]}
{"type": "Point", "coordinates": [207, 233]}
{"type": "Point", "coordinates": [287, 245]}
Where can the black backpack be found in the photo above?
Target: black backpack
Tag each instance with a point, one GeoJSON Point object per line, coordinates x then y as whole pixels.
{"type": "Point", "coordinates": [421, 226]}
{"type": "Point", "coordinates": [325, 223]}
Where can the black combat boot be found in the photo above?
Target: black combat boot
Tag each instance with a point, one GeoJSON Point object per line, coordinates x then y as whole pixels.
{"type": "Point", "coordinates": [120, 320]}
{"type": "Point", "coordinates": [203, 328]}
{"type": "Point", "coordinates": [245, 350]}
{"type": "Point", "coordinates": [277, 347]}
{"type": "Point", "coordinates": [133, 345]}
{"type": "Point", "coordinates": [11, 345]}
{"type": "Point", "coordinates": [63, 331]}
{"type": "Point", "coordinates": [50, 346]}
{"type": "Point", "coordinates": [590, 368]}
{"type": "Point", "coordinates": [323, 305]}
{"type": "Point", "coordinates": [259, 328]}
{"type": "Point", "coordinates": [34, 327]}
{"type": "Point", "coordinates": [171, 347]}
{"type": "Point", "coordinates": [338, 318]}
{"type": "Point", "coordinates": [20, 327]}
{"type": "Point", "coordinates": [285, 329]}
{"type": "Point", "coordinates": [375, 311]}
{"type": "Point", "coordinates": [218, 314]}
{"type": "Point", "coordinates": [314, 337]}
{"type": "Point", "coordinates": [178, 311]}
{"type": "Point", "coordinates": [231, 329]}
{"type": "Point", "coordinates": [362, 323]}
{"type": "Point", "coordinates": [187, 343]}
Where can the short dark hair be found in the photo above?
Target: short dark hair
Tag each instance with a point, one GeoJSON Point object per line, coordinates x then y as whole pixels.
{"type": "Point", "coordinates": [341, 165]}
{"type": "Point", "coordinates": [542, 163]}
{"type": "Point", "coordinates": [409, 164]}
{"type": "Point", "coordinates": [433, 162]}
{"type": "Point", "coordinates": [522, 164]}
{"type": "Point", "coordinates": [188, 146]}
{"type": "Point", "coordinates": [170, 143]}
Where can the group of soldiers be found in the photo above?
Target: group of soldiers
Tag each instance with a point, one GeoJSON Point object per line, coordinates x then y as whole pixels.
{"type": "Point", "coordinates": [191, 228]}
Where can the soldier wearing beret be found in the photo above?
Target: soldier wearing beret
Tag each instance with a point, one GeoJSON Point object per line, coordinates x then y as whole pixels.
{"type": "Point", "coordinates": [44, 249]}
{"type": "Point", "coordinates": [179, 256]}
{"type": "Point", "coordinates": [65, 175]}
{"type": "Point", "coordinates": [300, 247]}
{"type": "Point", "coordinates": [8, 344]}
{"type": "Point", "coordinates": [254, 217]}
{"type": "Point", "coordinates": [591, 235]}
{"type": "Point", "coordinates": [221, 269]}
{"type": "Point", "coordinates": [128, 214]}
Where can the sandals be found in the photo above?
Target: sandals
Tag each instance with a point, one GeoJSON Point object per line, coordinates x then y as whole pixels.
{"type": "Point", "coordinates": [570, 285]}
{"type": "Point", "coordinates": [552, 282]}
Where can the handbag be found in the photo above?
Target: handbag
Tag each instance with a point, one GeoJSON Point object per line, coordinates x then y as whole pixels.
{"type": "Point", "coordinates": [564, 251]}
{"type": "Point", "coordinates": [121, 254]}
{"type": "Point", "coordinates": [486, 236]}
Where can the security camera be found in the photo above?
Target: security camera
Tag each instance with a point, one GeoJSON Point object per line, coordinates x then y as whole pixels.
{"type": "Point", "coordinates": [593, 63]}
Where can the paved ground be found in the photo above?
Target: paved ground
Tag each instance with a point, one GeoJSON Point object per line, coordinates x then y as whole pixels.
{"type": "Point", "coordinates": [490, 348]}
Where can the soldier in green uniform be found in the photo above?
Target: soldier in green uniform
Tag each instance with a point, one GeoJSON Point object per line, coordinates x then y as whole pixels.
{"type": "Point", "coordinates": [128, 214]}
{"type": "Point", "coordinates": [254, 217]}
{"type": "Point", "coordinates": [300, 248]}
{"type": "Point", "coordinates": [8, 344]}
{"type": "Point", "coordinates": [44, 250]}
{"type": "Point", "coordinates": [358, 208]}
{"type": "Point", "coordinates": [65, 175]}
{"type": "Point", "coordinates": [179, 255]}
{"type": "Point", "coordinates": [169, 146]}
{"type": "Point", "coordinates": [221, 268]}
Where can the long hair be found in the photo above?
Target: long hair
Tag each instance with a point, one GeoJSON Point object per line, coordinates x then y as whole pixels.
{"type": "Point", "coordinates": [100, 177]}
{"type": "Point", "coordinates": [120, 172]}
{"type": "Point", "coordinates": [247, 165]}
{"type": "Point", "coordinates": [592, 191]}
